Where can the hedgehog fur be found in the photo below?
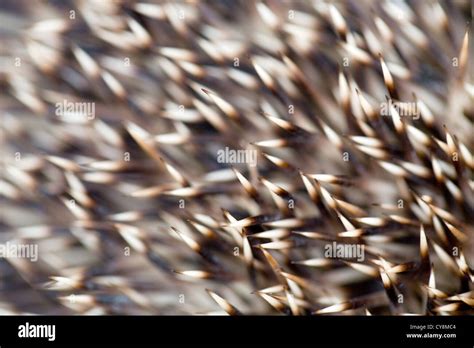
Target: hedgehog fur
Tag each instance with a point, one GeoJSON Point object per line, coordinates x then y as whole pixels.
{"type": "Point", "coordinates": [354, 119]}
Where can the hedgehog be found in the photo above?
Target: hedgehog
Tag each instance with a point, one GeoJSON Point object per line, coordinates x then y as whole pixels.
{"type": "Point", "coordinates": [255, 157]}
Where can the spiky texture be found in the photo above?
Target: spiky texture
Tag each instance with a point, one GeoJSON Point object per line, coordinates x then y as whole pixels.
{"type": "Point", "coordinates": [133, 212]}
